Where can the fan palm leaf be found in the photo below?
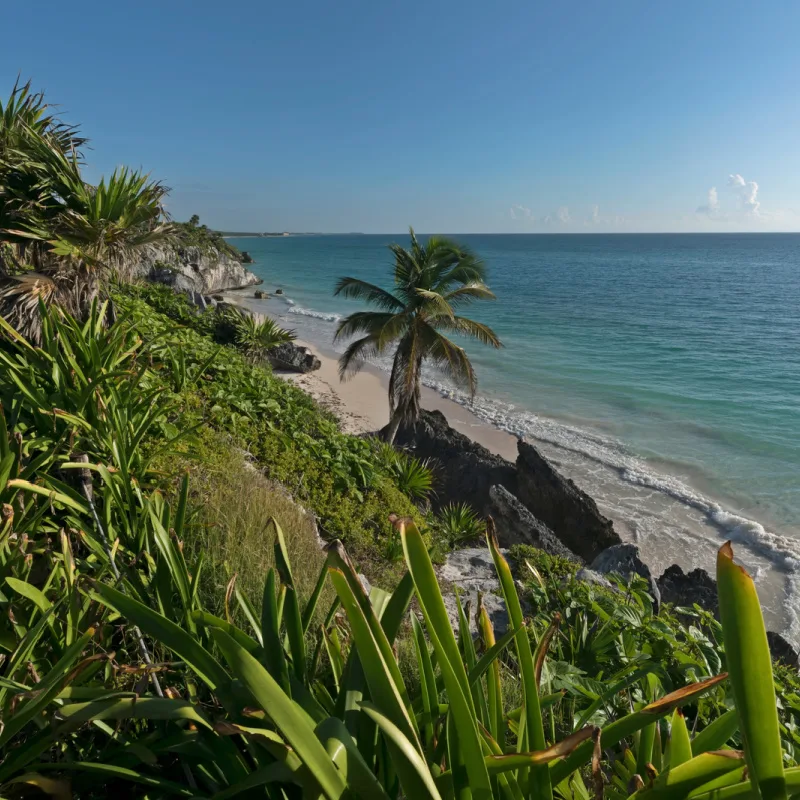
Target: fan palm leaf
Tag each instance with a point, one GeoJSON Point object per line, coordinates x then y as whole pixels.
{"type": "Point", "coordinates": [431, 281]}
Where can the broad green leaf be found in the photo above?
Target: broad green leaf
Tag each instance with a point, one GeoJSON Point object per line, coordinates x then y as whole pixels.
{"type": "Point", "coordinates": [750, 666]}
{"type": "Point", "coordinates": [168, 633]}
{"type": "Point", "coordinates": [415, 777]}
{"type": "Point", "coordinates": [449, 661]}
{"type": "Point", "coordinates": [287, 716]}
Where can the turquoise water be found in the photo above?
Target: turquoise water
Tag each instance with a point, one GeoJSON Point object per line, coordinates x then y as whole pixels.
{"type": "Point", "coordinates": [661, 371]}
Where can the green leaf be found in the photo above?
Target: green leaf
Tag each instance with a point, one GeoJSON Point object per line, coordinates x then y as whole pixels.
{"type": "Point", "coordinates": [750, 666]}
{"type": "Point", "coordinates": [415, 777]}
{"type": "Point", "coordinates": [287, 716]}
{"type": "Point", "coordinates": [169, 634]}
{"type": "Point", "coordinates": [449, 660]}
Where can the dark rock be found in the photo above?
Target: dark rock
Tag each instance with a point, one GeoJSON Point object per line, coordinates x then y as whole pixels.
{"type": "Point", "coordinates": [246, 257]}
{"type": "Point", "coordinates": [294, 358]}
{"type": "Point", "coordinates": [472, 571]}
{"type": "Point", "coordinates": [624, 560]}
{"type": "Point", "coordinates": [260, 295]}
{"type": "Point", "coordinates": [516, 525]}
{"type": "Point", "coordinates": [279, 291]}
{"type": "Point", "coordinates": [682, 589]}
{"type": "Point", "coordinates": [782, 651]}
{"type": "Point", "coordinates": [569, 512]}
{"type": "Point", "coordinates": [466, 471]}
{"type": "Point", "coordinates": [219, 297]}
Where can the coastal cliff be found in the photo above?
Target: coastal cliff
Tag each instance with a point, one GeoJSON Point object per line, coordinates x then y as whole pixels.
{"type": "Point", "coordinates": [204, 269]}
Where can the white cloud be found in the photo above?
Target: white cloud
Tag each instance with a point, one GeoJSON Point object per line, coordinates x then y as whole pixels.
{"type": "Point", "coordinates": [520, 212]}
{"type": "Point", "coordinates": [747, 192]}
{"type": "Point", "coordinates": [712, 206]}
{"type": "Point", "coordinates": [595, 214]}
{"type": "Point", "coordinates": [563, 215]}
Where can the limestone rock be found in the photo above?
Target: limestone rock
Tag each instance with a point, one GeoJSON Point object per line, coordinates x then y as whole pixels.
{"type": "Point", "coordinates": [192, 269]}
{"type": "Point", "coordinates": [472, 571]}
{"type": "Point", "coordinates": [516, 525]}
{"type": "Point", "coordinates": [782, 651]}
{"type": "Point", "coordinates": [294, 358]}
{"type": "Point", "coordinates": [624, 560]}
{"type": "Point", "coordinates": [590, 576]}
{"type": "Point", "coordinates": [569, 512]}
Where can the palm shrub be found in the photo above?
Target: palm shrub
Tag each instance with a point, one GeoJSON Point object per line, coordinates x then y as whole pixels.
{"type": "Point", "coordinates": [256, 335]}
{"type": "Point", "coordinates": [431, 283]}
{"type": "Point", "coordinates": [458, 523]}
{"type": "Point", "coordinates": [65, 240]}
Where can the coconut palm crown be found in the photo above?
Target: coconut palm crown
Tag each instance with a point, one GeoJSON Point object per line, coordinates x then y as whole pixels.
{"type": "Point", "coordinates": [432, 283]}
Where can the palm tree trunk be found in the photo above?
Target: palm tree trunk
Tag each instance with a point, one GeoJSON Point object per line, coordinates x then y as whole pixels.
{"type": "Point", "coordinates": [394, 425]}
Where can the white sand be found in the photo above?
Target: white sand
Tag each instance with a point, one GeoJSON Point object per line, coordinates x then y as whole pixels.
{"type": "Point", "coordinates": [362, 406]}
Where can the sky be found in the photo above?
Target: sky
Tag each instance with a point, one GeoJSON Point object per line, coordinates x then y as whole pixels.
{"type": "Point", "coordinates": [453, 117]}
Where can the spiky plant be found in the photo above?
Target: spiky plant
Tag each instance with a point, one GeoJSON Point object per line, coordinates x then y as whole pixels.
{"type": "Point", "coordinates": [256, 335]}
{"type": "Point", "coordinates": [431, 283]}
{"type": "Point", "coordinates": [459, 523]}
{"type": "Point", "coordinates": [65, 239]}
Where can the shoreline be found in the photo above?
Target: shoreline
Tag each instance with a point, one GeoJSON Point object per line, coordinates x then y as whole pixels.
{"type": "Point", "coordinates": [668, 524]}
{"type": "Point", "coordinates": [361, 406]}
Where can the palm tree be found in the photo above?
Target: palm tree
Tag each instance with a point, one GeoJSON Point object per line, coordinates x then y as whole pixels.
{"type": "Point", "coordinates": [431, 283]}
{"type": "Point", "coordinates": [61, 239]}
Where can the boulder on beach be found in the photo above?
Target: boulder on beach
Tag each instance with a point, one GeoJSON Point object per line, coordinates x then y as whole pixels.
{"type": "Point", "coordinates": [682, 589]}
{"type": "Point", "coordinates": [466, 471]}
{"type": "Point", "coordinates": [260, 295]}
{"type": "Point", "coordinates": [293, 357]}
{"type": "Point", "coordinates": [279, 291]}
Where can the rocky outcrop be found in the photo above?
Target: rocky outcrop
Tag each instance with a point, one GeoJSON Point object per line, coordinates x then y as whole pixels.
{"type": "Point", "coordinates": [555, 500]}
{"type": "Point", "coordinates": [516, 525]}
{"type": "Point", "coordinates": [472, 571]}
{"type": "Point", "coordinates": [294, 358]}
{"type": "Point", "coordinates": [682, 589]}
{"type": "Point", "coordinates": [204, 270]}
{"type": "Point", "coordinates": [466, 471]}
{"type": "Point", "coordinates": [782, 651]}
{"type": "Point", "coordinates": [624, 560]}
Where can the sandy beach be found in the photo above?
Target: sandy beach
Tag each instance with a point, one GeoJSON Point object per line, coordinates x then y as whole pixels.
{"type": "Point", "coordinates": [361, 403]}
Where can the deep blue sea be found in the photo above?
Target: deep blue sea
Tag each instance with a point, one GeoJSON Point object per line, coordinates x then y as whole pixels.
{"type": "Point", "coordinates": [662, 372]}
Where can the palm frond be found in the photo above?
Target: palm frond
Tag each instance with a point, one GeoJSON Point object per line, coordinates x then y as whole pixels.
{"type": "Point", "coordinates": [369, 322]}
{"type": "Point", "coordinates": [468, 293]}
{"type": "Point", "coordinates": [448, 357]}
{"type": "Point", "coordinates": [469, 327]}
{"type": "Point", "coordinates": [356, 355]}
{"type": "Point", "coordinates": [361, 290]}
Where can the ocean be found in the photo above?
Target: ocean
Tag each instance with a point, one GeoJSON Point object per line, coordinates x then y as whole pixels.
{"type": "Point", "coordinates": [660, 372]}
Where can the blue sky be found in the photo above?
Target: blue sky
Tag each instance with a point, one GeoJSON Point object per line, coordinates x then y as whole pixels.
{"type": "Point", "coordinates": [449, 116]}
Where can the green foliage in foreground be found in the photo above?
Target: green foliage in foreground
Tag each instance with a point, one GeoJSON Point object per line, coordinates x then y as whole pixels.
{"type": "Point", "coordinates": [119, 677]}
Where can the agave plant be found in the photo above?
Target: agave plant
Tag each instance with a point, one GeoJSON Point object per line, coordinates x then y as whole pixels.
{"type": "Point", "coordinates": [459, 523]}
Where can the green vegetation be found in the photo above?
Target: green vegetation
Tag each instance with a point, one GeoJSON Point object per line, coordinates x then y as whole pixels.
{"type": "Point", "coordinates": [459, 525]}
{"type": "Point", "coordinates": [63, 239]}
{"type": "Point", "coordinates": [193, 234]}
{"type": "Point", "coordinates": [431, 283]}
{"type": "Point", "coordinates": [170, 627]}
